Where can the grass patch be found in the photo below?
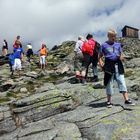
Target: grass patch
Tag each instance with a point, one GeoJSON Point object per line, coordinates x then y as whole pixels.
{"type": "Point", "coordinates": [10, 94]}
{"type": "Point", "coordinates": [129, 73]}
{"type": "Point", "coordinates": [4, 99]}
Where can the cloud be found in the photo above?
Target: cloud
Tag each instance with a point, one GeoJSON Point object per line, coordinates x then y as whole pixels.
{"type": "Point", "coordinates": [52, 21]}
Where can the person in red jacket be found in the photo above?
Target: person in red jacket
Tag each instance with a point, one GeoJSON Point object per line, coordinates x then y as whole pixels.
{"type": "Point", "coordinates": [87, 50]}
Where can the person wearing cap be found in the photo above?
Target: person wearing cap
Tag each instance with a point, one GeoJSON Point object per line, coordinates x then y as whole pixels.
{"type": "Point", "coordinates": [29, 52]}
{"type": "Point", "coordinates": [78, 58]}
{"type": "Point", "coordinates": [113, 67]}
{"type": "Point", "coordinates": [43, 54]}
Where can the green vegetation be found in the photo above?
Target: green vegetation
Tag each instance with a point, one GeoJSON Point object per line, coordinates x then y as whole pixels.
{"type": "Point", "coordinates": [122, 132]}
{"type": "Point", "coordinates": [4, 99]}
{"type": "Point", "coordinates": [11, 94]}
{"type": "Point", "coordinates": [129, 73]}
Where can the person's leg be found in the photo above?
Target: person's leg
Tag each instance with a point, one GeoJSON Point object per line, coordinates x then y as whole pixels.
{"type": "Point", "coordinates": [77, 76]}
{"type": "Point", "coordinates": [44, 62]}
{"type": "Point", "coordinates": [28, 57]}
{"type": "Point", "coordinates": [15, 65]}
{"type": "Point", "coordinates": [108, 98]}
{"type": "Point", "coordinates": [122, 87]}
{"type": "Point", "coordinates": [83, 73]}
{"type": "Point", "coordinates": [10, 65]}
{"type": "Point", "coordinates": [3, 52]}
{"type": "Point", "coordinates": [86, 72]}
{"type": "Point", "coordinates": [6, 52]}
{"type": "Point", "coordinates": [78, 59]}
{"type": "Point", "coordinates": [44, 67]}
{"type": "Point", "coordinates": [125, 96]}
{"type": "Point", "coordinates": [12, 70]}
{"type": "Point", "coordinates": [41, 62]}
{"type": "Point", "coordinates": [95, 70]}
{"type": "Point", "coordinates": [109, 91]}
{"type": "Point", "coordinates": [85, 64]}
{"type": "Point", "coordinates": [87, 67]}
{"type": "Point", "coordinates": [19, 64]}
{"type": "Point", "coordinates": [19, 67]}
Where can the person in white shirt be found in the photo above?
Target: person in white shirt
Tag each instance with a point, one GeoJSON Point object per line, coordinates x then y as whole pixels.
{"type": "Point", "coordinates": [78, 45]}
{"type": "Point", "coordinates": [78, 59]}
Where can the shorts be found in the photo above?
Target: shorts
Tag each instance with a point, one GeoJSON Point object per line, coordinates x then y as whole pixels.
{"type": "Point", "coordinates": [78, 62]}
{"type": "Point", "coordinates": [43, 60]}
{"type": "Point", "coordinates": [17, 64]}
{"type": "Point", "coordinates": [86, 60]}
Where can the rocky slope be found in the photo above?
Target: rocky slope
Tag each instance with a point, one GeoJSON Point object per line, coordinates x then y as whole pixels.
{"type": "Point", "coordinates": [46, 105]}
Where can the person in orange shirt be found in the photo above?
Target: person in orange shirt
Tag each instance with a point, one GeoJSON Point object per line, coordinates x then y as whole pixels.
{"type": "Point", "coordinates": [43, 54]}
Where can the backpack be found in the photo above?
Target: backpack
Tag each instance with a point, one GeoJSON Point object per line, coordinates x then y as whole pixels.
{"type": "Point", "coordinates": [88, 47]}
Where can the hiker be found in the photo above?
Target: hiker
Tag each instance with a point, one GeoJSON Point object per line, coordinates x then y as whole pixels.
{"type": "Point", "coordinates": [5, 48]}
{"type": "Point", "coordinates": [113, 67]}
{"type": "Point", "coordinates": [29, 52]}
{"type": "Point", "coordinates": [87, 50]}
{"type": "Point", "coordinates": [11, 62]}
{"type": "Point", "coordinates": [17, 43]}
{"type": "Point", "coordinates": [78, 59]}
{"type": "Point", "coordinates": [43, 54]}
{"type": "Point", "coordinates": [94, 61]}
{"type": "Point", "coordinates": [18, 56]}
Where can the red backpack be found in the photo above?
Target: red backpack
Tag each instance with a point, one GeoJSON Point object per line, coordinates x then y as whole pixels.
{"type": "Point", "coordinates": [88, 47]}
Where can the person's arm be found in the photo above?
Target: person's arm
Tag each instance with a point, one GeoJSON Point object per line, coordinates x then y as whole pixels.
{"type": "Point", "coordinates": [100, 59]}
{"type": "Point", "coordinates": [121, 54]}
{"type": "Point", "coordinates": [46, 52]}
{"type": "Point", "coordinates": [22, 53]}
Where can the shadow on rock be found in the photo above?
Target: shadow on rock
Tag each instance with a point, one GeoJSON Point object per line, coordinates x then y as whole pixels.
{"type": "Point", "coordinates": [97, 105]}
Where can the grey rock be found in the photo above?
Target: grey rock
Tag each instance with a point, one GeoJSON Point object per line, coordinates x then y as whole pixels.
{"type": "Point", "coordinates": [45, 87]}
{"type": "Point", "coordinates": [23, 90]}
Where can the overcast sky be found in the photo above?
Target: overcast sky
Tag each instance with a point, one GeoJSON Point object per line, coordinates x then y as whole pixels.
{"type": "Point", "coordinates": [54, 21]}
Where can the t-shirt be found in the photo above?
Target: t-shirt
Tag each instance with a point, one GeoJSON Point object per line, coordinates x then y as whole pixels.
{"type": "Point", "coordinates": [78, 46]}
{"type": "Point", "coordinates": [43, 51]}
{"type": "Point", "coordinates": [111, 51]}
{"type": "Point", "coordinates": [17, 43]}
{"type": "Point", "coordinates": [29, 52]}
{"type": "Point", "coordinates": [18, 52]}
{"type": "Point", "coordinates": [5, 45]}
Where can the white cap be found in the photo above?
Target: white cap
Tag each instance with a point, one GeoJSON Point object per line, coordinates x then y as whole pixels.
{"type": "Point", "coordinates": [112, 31]}
{"type": "Point", "coordinates": [29, 46]}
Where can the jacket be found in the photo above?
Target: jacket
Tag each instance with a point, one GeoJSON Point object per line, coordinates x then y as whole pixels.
{"type": "Point", "coordinates": [109, 69]}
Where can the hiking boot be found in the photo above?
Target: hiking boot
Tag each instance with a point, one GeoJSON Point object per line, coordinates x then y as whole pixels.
{"type": "Point", "coordinates": [83, 81]}
{"type": "Point", "coordinates": [109, 104]}
{"type": "Point", "coordinates": [95, 79]}
{"type": "Point", "coordinates": [77, 80]}
{"type": "Point", "coordinates": [129, 102]}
